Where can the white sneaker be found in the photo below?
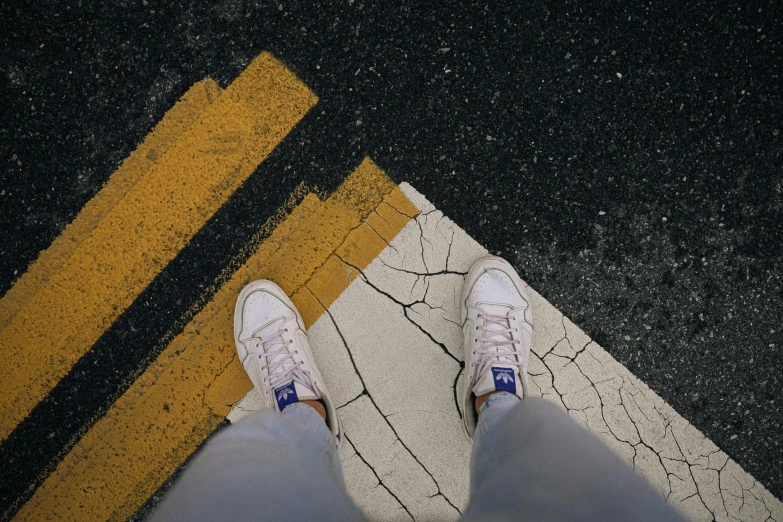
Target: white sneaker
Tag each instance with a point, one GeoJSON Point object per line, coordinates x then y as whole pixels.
{"type": "Point", "coordinates": [498, 328]}
{"type": "Point", "coordinates": [273, 347]}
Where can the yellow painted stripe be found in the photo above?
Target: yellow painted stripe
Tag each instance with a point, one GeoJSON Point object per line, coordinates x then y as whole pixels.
{"type": "Point", "coordinates": [144, 230]}
{"type": "Point", "coordinates": [175, 122]}
{"type": "Point", "coordinates": [183, 396]}
{"type": "Point", "coordinates": [357, 251]}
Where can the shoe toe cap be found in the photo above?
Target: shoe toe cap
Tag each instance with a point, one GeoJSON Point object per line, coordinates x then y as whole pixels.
{"type": "Point", "coordinates": [259, 309]}
{"type": "Point", "coordinates": [495, 286]}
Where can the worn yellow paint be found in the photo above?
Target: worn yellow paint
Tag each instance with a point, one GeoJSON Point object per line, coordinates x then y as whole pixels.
{"type": "Point", "coordinates": [329, 282]}
{"type": "Point", "coordinates": [398, 202]}
{"type": "Point", "coordinates": [185, 394]}
{"type": "Point", "coordinates": [145, 228]}
{"type": "Point", "coordinates": [307, 304]}
{"type": "Point", "coordinates": [175, 123]}
{"type": "Point", "coordinates": [358, 250]}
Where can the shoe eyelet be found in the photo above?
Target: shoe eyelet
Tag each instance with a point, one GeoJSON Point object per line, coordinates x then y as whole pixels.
{"type": "Point", "coordinates": [296, 352]}
{"type": "Point", "coordinates": [290, 341]}
{"type": "Point", "coordinates": [516, 330]}
{"type": "Point", "coordinates": [286, 329]}
{"type": "Point", "coordinates": [266, 393]}
{"type": "Point", "coordinates": [474, 352]}
{"type": "Point", "coordinates": [477, 327]}
{"type": "Point", "coordinates": [475, 340]}
{"type": "Point", "coordinates": [259, 355]}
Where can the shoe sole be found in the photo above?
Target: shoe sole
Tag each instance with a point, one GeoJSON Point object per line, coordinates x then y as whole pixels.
{"type": "Point", "coordinates": [477, 270]}
{"type": "Point", "coordinates": [265, 284]}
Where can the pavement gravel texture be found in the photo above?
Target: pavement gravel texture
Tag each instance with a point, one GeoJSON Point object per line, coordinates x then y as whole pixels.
{"type": "Point", "coordinates": [628, 159]}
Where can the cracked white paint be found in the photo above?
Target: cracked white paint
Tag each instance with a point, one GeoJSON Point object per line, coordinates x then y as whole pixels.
{"type": "Point", "coordinates": [390, 351]}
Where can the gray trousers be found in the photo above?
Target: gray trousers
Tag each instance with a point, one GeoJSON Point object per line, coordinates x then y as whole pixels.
{"type": "Point", "coordinates": [530, 461]}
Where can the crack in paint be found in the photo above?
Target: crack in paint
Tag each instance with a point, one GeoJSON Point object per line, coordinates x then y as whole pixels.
{"type": "Point", "coordinates": [628, 393]}
{"type": "Point", "coordinates": [375, 405]}
{"type": "Point", "coordinates": [454, 388]}
{"type": "Point", "coordinates": [423, 274]}
{"type": "Point", "coordinates": [380, 480]}
{"type": "Point", "coordinates": [362, 394]}
{"type": "Point", "coordinates": [624, 410]}
{"type": "Point", "coordinates": [347, 237]}
{"type": "Point", "coordinates": [405, 308]}
{"type": "Point", "coordinates": [379, 234]}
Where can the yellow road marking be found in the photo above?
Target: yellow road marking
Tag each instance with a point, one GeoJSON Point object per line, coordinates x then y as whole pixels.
{"type": "Point", "coordinates": [175, 123]}
{"type": "Point", "coordinates": [183, 396]}
{"type": "Point", "coordinates": [358, 250]}
{"type": "Point", "coordinates": [146, 227]}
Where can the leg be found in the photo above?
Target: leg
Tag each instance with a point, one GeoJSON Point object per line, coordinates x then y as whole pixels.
{"type": "Point", "coordinates": [531, 461]}
{"type": "Point", "coordinates": [267, 467]}
{"type": "Point", "coordinates": [280, 464]}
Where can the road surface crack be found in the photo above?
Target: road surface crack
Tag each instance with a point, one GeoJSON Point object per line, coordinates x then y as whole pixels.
{"type": "Point", "coordinates": [405, 308]}
{"type": "Point", "coordinates": [375, 405]}
{"type": "Point", "coordinates": [380, 480]}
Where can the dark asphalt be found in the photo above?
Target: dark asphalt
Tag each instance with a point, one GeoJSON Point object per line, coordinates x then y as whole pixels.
{"type": "Point", "coordinates": [627, 158]}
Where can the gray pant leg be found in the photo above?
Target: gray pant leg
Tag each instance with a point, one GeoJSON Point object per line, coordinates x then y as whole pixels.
{"type": "Point", "coordinates": [266, 467]}
{"type": "Point", "coordinates": [533, 462]}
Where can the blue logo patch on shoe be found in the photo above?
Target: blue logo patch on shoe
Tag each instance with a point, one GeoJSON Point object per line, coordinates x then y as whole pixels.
{"type": "Point", "coordinates": [286, 395]}
{"type": "Point", "coordinates": [504, 379]}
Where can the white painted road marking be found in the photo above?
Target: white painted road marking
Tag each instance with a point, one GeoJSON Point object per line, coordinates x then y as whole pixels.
{"type": "Point", "coordinates": [396, 333]}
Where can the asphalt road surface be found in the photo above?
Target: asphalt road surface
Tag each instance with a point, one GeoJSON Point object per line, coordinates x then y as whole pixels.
{"type": "Point", "coordinates": [627, 159]}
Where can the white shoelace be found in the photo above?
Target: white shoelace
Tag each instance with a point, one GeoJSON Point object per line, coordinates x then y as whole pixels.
{"type": "Point", "coordinates": [492, 353]}
{"type": "Point", "coordinates": [294, 373]}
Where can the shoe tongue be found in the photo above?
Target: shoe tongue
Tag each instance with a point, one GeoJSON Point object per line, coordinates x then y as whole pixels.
{"type": "Point", "coordinates": [293, 392]}
{"type": "Point", "coordinates": [268, 331]}
{"type": "Point", "coordinates": [502, 311]}
{"type": "Point", "coordinates": [499, 377]}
